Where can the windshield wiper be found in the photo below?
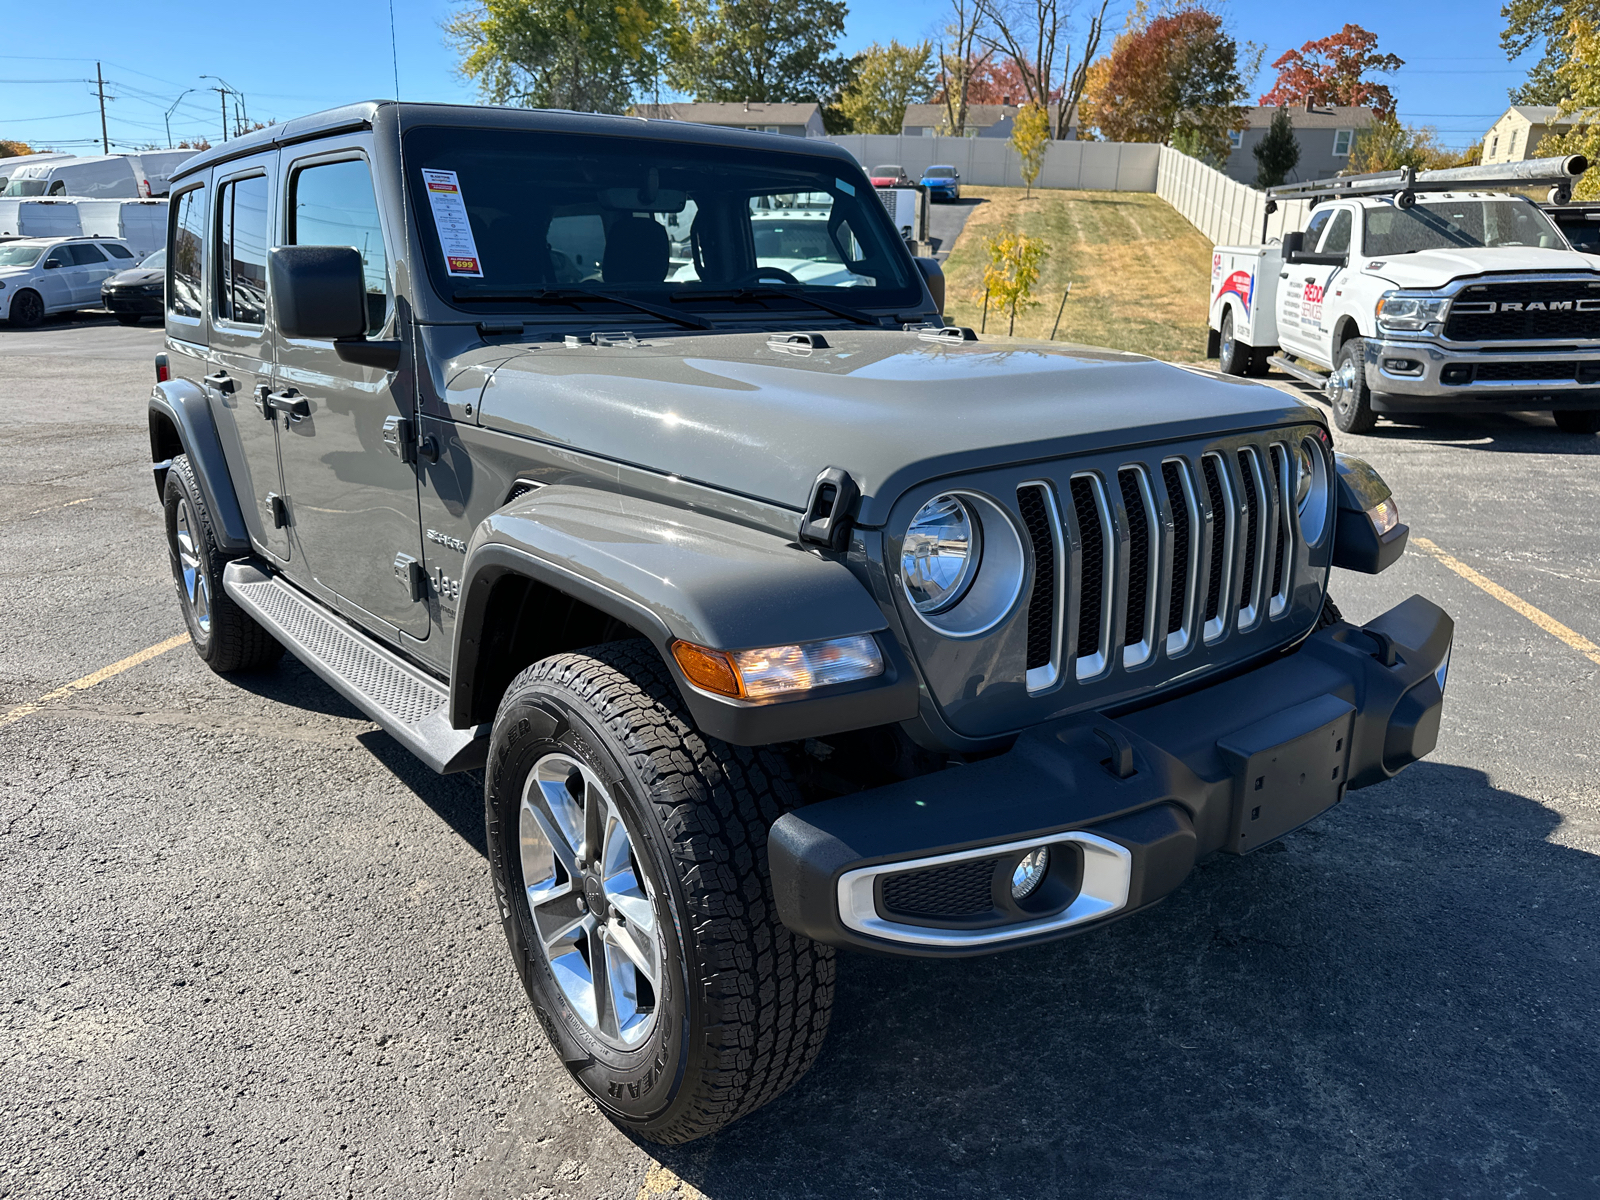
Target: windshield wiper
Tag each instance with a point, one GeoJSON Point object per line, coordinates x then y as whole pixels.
{"type": "Point", "coordinates": [857, 315]}
{"type": "Point", "coordinates": [573, 297]}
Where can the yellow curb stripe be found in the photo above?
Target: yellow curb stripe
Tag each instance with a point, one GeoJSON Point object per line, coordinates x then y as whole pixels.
{"type": "Point", "coordinates": [1514, 602]}
{"type": "Point", "coordinates": [89, 681]}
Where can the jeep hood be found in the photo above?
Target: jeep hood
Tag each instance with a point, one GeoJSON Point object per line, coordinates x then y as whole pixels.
{"type": "Point", "coordinates": [731, 411]}
{"type": "Point", "coordinates": [1436, 268]}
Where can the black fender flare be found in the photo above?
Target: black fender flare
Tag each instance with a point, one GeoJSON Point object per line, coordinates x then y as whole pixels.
{"type": "Point", "coordinates": [178, 407]}
{"type": "Point", "coordinates": [673, 573]}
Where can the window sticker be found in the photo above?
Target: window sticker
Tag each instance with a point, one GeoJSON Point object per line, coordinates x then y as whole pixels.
{"type": "Point", "coordinates": [845, 187]}
{"type": "Point", "coordinates": [450, 219]}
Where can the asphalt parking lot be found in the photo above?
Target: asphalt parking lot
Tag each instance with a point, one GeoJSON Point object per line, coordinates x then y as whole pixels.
{"type": "Point", "coordinates": [250, 950]}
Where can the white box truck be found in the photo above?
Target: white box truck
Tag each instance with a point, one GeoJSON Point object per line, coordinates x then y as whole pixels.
{"type": "Point", "coordinates": [1430, 292]}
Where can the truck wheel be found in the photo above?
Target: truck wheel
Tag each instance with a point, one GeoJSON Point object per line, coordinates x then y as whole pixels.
{"type": "Point", "coordinates": [1347, 389]}
{"type": "Point", "coordinates": [1577, 420]}
{"type": "Point", "coordinates": [27, 309]}
{"type": "Point", "coordinates": [629, 857]}
{"type": "Point", "coordinates": [1260, 368]}
{"type": "Point", "coordinates": [1233, 356]}
{"type": "Point", "coordinates": [224, 636]}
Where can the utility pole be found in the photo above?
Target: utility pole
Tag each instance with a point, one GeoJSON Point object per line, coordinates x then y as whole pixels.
{"type": "Point", "coordinates": [222, 95]}
{"type": "Point", "coordinates": [100, 85]}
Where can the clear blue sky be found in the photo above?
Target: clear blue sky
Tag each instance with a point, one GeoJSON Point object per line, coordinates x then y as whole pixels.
{"type": "Point", "coordinates": [295, 56]}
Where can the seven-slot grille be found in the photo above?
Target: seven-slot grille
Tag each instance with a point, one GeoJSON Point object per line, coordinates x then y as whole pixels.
{"type": "Point", "coordinates": [1154, 557]}
{"type": "Point", "coordinates": [1545, 310]}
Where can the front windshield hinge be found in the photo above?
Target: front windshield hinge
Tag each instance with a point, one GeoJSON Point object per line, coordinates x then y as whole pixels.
{"type": "Point", "coordinates": [600, 338]}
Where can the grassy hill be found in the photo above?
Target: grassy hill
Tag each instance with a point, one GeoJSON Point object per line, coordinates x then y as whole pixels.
{"type": "Point", "coordinates": [1140, 273]}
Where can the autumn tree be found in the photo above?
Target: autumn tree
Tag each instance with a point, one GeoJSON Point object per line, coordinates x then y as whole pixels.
{"type": "Point", "coordinates": [1176, 79]}
{"type": "Point", "coordinates": [1278, 151]}
{"type": "Point", "coordinates": [1030, 138]}
{"type": "Point", "coordinates": [1334, 70]}
{"type": "Point", "coordinates": [1034, 36]}
{"type": "Point", "coordinates": [771, 51]}
{"type": "Point", "coordinates": [10, 149]}
{"type": "Point", "coordinates": [961, 61]}
{"type": "Point", "coordinates": [1577, 82]}
{"type": "Point", "coordinates": [1530, 23]}
{"type": "Point", "coordinates": [884, 80]}
{"type": "Point", "coordinates": [1387, 145]}
{"type": "Point", "coordinates": [1013, 270]}
{"type": "Point", "coordinates": [589, 55]}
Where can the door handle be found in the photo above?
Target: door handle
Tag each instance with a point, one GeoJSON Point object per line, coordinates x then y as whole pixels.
{"type": "Point", "coordinates": [288, 402]}
{"type": "Point", "coordinates": [222, 381]}
{"type": "Point", "coordinates": [1284, 275]}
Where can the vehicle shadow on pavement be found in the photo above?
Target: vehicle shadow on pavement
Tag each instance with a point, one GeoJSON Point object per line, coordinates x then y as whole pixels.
{"type": "Point", "coordinates": [1515, 433]}
{"type": "Point", "coordinates": [1397, 1000]}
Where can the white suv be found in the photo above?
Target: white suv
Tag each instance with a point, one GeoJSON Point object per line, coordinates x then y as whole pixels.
{"type": "Point", "coordinates": [39, 276]}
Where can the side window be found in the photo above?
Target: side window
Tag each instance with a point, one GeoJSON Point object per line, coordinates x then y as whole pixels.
{"type": "Point", "coordinates": [1341, 142]}
{"type": "Point", "coordinates": [332, 204]}
{"type": "Point", "coordinates": [1319, 222]}
{"type": "Point", "coordinates": [183, 258]}
{"type": "Point", "coordinates": [1338, 239]}
{"type": "Point", "coordinates": [117, 251]}
{"type": "Point", "coordinates": [85, 255]}
{"type": "Point", "coordinates": [242, 251]}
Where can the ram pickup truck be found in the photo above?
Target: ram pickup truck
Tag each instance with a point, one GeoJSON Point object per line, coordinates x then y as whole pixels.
{"type": "Point", "coordinates": [1414, 302]}
{"type": "Point", "coordinates": [777, 616]}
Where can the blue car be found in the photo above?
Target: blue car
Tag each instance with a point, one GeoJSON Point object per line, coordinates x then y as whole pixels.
{"type": "Point", "coordinates": [943, 182]}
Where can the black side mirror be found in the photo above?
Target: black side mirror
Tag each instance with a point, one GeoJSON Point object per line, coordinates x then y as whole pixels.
{"type": "Point", "coordinates": [319, 291]}
{"type": "Point", "coordinates": [52, 264]}
{"type": "Point", "coordinates": [933, 276]}
{"type": "Point", "coordinates": [1293, 243]}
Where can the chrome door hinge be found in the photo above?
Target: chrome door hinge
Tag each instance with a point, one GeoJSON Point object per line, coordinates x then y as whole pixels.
{"type": "Point", "coordinates": [279, 508]}
{"type": "Point", "coordinates": [410, 573]}
{"type": "Point", "coordinates": [400, 439]}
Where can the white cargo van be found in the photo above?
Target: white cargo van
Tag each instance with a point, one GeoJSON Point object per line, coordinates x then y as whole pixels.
{"type": "Point", "coordinates": [106, 175]}
{"type": "Point", "coordinates": [157, 167]}
{"type": "Point", "coordinates": [38, 218]}
{"type": "Point", "coordinates": [9, 165]}
{"type": "Point", "coordinates": [142, 224]}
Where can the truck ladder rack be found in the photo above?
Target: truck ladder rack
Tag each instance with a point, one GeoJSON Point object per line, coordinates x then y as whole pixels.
{"type": "Point", "coordinates": [1558, 173]}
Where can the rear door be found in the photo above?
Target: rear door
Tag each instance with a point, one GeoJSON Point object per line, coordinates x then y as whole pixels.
{"type": "Point", "coordinates": [239, 359]}
{"type": "Point", "coordinates": [351, 490]}
{"type": "Point", "coordinates": [1294, 333]}
{"type": "Point", "coordinates": [94, 267]}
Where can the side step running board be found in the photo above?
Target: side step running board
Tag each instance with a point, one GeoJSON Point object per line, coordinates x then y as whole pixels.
{"type": "Point", "coordinates": [1303, 374]}
{"type": "Point", "coordinates": [408, 703]}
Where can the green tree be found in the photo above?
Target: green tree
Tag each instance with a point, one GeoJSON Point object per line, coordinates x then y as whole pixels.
{"type": "Point", "coordinates": [588, 55]}
{"type": "Point", "coordinates": [1013, 269]}
{"type": "Point", "coordinates": [1387, 145]}
{"type": "Point", "coordinates": [1577, 76]}
{"type": "Point", "coordinates": [1278, 151]}
{"type": "Point", "coordinates": [1030, 138]}
{"type": "Point", "coordinates": [1529, 22]}
{"type": "Point", "coordinates": [759, 50]}
{"type": "Point", "coordinates": [884, 79]}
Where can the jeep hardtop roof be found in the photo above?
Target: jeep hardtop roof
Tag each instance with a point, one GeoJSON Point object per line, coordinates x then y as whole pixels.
{"type": "Point", "coordinates": [366, 114]}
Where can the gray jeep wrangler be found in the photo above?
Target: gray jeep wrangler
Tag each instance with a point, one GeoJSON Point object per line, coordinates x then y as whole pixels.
{"type": "Point", "coordinates": [631, 463]}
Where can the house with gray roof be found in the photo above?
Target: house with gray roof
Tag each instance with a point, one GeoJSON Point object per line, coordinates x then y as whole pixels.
{"type": "Point", "coordinates": [983, 120]}
{"type": "Point", "coordinates": [796, 120]}
{"type": "Point", "coordinates": [1326, 134]}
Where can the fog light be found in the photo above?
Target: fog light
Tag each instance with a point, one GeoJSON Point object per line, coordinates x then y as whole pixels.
{"type": "Point", "coordinates": [1030, 872]}
{"type": "Point", "coordinates": [1402, 366]}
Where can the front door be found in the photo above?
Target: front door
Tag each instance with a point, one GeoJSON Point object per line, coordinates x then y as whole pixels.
{"type": "Point", "coordinates": [1298, 315]}
{"type": "Point", "coordinates": [240, 358]}
{"type": "Point", "coordinates": [55, 278]}
{"type": "Point", "coordinates": [1335, 241]}
{"type": "Point", "coordinates": [352, 494]}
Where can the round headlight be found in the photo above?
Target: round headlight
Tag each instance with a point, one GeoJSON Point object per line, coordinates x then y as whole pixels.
{"type": "Point", "coordinates": [1310, 490]}
{"type": "Point", "coordinates": [939, 556]}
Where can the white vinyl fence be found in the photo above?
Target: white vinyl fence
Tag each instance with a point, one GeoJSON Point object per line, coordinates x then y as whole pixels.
{"type": "Point", "coordinates": [1227, 212]}
{"type": "Point", "coordinates": [991, 162]}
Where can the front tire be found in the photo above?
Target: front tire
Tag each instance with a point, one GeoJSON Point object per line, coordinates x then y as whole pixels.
{"type": "Point", "coordinates": [224, 635]}
{"type": "Point", "coordinates": [620, 837]}
{"type": "Point", "coordinates": [1347, 390]}
{"type": "Point", "coordinates": [1577, 420]}
{"type": "Point", "coordinates": [27, 309]}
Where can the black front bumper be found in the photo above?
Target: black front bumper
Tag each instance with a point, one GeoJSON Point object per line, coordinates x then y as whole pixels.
{"type": "Point", "coordinates": [122, 302]}
{"type": "Point", "coordinates": [1125, 807]}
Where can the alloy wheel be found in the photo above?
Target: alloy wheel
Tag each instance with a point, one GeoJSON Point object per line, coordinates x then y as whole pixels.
{"type": "Point", "coordinates": [593, 909]}
{"type": "Point", "coordinates": [196, 587]}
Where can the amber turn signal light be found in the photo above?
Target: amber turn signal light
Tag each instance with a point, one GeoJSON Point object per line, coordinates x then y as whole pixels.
{"type": "Point", "coordinates": [710, 670]}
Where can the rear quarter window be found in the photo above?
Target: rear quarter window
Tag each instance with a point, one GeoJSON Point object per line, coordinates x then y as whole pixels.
{"type": "Point", "coordinates": [185, 253]}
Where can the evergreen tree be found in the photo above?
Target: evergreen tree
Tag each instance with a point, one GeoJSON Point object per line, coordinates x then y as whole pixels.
{"type": "Point", "coordinates": [1278, 152]}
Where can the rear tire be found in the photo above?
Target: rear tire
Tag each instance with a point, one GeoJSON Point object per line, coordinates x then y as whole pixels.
{"type": "Point", "coordinates": [224, 635]}
{"type": "Point", "coordinates": [1571, 420]}
{"type": "Point", "coordinates": [1347, 390]}
{"type": "Point", "coordinates": [27, 309]}
{"type": "Point", "coordinates": [1233, 356]}
{"type": "Point", "coordinates": [714, 1007]}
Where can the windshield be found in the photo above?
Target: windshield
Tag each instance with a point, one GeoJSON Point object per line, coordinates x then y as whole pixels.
{"type": "Point", "coordinates": [27, 187]}
{"type": "Point", "coordinates": [154, 262]}
{"type": "Point", "coordinates": [939, 173]}
{"type": "Point", "coordinates": [1457, 224]}
{"type": "Point", "coordinates": [20, 254]}
{"type": "Point", "coordinates": [523, 219]}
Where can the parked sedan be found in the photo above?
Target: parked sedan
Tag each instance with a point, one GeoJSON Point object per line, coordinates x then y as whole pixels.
{"type": "Point", "coordinates": [942, 181]}
{"type": "Point", "coordinates": [889, 175]}
{"type": "Point", "coordinates": [138, 291]}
